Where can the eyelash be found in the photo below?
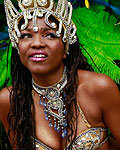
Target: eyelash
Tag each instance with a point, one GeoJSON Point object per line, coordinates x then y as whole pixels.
{"type": "Point", "coordinates": [52, 35]}
{"type": "Point", "coordinates": [25, 34]}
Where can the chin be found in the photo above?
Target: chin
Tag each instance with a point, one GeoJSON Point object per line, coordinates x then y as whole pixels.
{"type": "Point", "coordinates": [40, 71]}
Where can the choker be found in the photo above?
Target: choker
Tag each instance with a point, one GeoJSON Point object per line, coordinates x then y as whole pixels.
{"type": "Point", "coordinates": [54, 107]}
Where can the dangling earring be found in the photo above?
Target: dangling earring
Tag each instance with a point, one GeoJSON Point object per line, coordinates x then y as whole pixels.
{"type": "Point", "coordinates": [18, 50]}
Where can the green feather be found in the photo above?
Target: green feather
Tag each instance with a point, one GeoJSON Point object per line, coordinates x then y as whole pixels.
{"type": "Point", "coordinates": [5, 67]}
{"type": "Point", "coordinates": [100, 38]}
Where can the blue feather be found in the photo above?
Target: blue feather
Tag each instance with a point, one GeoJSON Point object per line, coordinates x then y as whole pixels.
{"type": "Point", "coordinates": [81, 3]}
{"type": "Point", "coordinates": [3, 36]}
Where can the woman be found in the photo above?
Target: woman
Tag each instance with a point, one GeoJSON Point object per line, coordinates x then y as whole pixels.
{"type": "Point", "coordinates": [54, 102]}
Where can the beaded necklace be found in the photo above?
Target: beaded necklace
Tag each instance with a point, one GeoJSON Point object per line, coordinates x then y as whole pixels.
{"type": "Point", "coordinates": [54, 107]}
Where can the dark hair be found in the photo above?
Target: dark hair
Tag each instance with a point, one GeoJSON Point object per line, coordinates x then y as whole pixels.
{"type": "Point", "coordinates": [74, 61]}
{"type": "Point", "coordinates": [21, 117]}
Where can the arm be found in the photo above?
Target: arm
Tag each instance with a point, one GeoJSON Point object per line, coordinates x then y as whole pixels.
{"type": "Point", "coordinates": [110, 106]}
{"type": "Point", "coordinates": [4, 106]}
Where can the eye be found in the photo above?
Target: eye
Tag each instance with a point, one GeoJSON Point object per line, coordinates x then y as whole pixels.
{"type": "Point", "coordinates": [51, 35]}
{"type": "Point", "coordinates": [25, 36]}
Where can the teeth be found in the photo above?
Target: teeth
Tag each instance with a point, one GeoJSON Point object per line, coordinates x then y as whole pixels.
{"type": "Point", "coordinates": [39, 56]}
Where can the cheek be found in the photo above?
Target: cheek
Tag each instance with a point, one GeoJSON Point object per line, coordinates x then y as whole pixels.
{"type": "Point", "coordinates": [23, 48]}
{"type": "Point", "coordinates": [59, 48]}
{"type": "Point", "coordinates": [23, 52]}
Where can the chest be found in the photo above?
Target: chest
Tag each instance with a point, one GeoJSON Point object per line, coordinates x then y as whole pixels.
{"type": "Point", "coordinates": [49, 136]}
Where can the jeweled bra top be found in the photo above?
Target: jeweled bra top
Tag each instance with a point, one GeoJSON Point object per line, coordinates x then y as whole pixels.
{"type": "Point", "coordinates": [89, 139]}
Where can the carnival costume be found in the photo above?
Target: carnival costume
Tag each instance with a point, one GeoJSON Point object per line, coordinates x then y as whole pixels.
{"type": "Point", "coordinates": [92, 137]}
{"type": "Point", "coordinates": [98, 32]}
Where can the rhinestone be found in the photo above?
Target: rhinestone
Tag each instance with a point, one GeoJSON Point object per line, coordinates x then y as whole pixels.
{"type": "Point", "coordinates": [64, 133]}
{"type": "Point", "coordinates": [44, 104]}
{"type": "Point", "coordinates": [83, 139]}
{"type": "Point", "coordinates": [43, 90]}
{"type": "Point", "coordinates": [46, 117]}
{"type": "Point", "coordinates": [40, 102]}
{"type": "Point", "coordinates": [50, 124]}
{"type": "Point", "coordinates": [87, 135]}
{"type": "Point", "coordinates": [53, 25]}
{"type": "Point", "coordinates": [55, 126]}
{"type": "Point", "coordinates": [40, 14]}
{"type": "Point", "coordinates": [35, 29]}
{"type": "Point", "coordinates": [51, 92]}
{"type": "Point", "coordinates": [79, 143]}
{"type": "Point", "coordinates": [43, 1]}
{"type": "Point", "coordinates": [58, 86]}
{"type": "Point", "coordinates": [37, 145]}
{"type": "Point", "coordinates": [54, 104]}
{"type": "Point", "coordinates": [29, 17]}
{"type": "Point", "coordinates": [57, 33]}
{"type": "Point", "coordinates": [58, 129]}
{"type": "Point", "coordinates": [25, 1]}
{"type": "Point", "coordinates": [65, 123]}
{"type": "Point", "coordinates": [19, 35]}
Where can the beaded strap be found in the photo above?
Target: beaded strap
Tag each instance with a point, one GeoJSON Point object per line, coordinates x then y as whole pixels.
{"type": "Point", "coordinates": [83, 116]}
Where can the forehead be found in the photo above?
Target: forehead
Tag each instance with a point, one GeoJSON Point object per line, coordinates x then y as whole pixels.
{"type": "Point", "coordinates": [40, 23]}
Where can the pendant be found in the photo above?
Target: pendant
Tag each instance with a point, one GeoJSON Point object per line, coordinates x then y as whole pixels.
{"type": "Point", "coordinates": [54, 108]}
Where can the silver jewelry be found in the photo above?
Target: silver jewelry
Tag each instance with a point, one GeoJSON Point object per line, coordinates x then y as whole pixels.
{"type": "Point", "coordinates": [54, 107]}
{"type": "Point", "coordinates": [31, 9]}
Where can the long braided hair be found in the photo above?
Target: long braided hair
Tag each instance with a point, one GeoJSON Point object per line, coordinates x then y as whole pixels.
{"type": "Point", "coordinates": [74, 61]}
{"type": "Point", "coordinates": [21, 117]}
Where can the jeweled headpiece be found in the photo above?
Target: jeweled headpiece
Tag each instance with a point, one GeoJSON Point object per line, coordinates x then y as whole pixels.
{"type": "Point", "coordinates": [31, 9]}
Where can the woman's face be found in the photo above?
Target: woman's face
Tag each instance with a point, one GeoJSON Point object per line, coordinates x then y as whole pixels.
{"type": "Point", "coordinates": [41, 52]}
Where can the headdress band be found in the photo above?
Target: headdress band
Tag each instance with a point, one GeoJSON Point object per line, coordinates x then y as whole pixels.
{"type": "Point", "coordinates": [31, 9]}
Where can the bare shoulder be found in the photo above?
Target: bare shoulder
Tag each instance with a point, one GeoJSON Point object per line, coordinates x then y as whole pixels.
{"type": "Point", "coordinates": [95, 79]}
{"type": "Point", "coordinates": [4, 103]}
{"type": "Point", "coordinates": [98, 85]}
{"type": "Point", "coordinates": [4, 95]}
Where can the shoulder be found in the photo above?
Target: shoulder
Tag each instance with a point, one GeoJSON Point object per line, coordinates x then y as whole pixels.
{"type": "Point", "coordinates": [95, 81]}
{"type": "Point", "coordinates": [4, 95]}
{"type": "Point", "coordinates": [98, 85]}
{"type": "Point", "coordinates": [4, 103]}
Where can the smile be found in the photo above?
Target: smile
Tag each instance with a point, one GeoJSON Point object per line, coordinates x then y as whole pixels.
{"type": "Point", "coordinates": [39, 56]}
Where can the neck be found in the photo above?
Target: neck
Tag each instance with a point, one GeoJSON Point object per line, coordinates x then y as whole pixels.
{"type": "Point", "coordinates": [50, 78]}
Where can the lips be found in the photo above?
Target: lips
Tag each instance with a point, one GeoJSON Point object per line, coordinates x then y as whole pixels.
{"type": "Point", "coordinates": [38, 56]}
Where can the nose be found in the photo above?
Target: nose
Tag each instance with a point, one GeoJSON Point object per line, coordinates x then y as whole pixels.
{"type": "Point", "coordinates": [38, 42]}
